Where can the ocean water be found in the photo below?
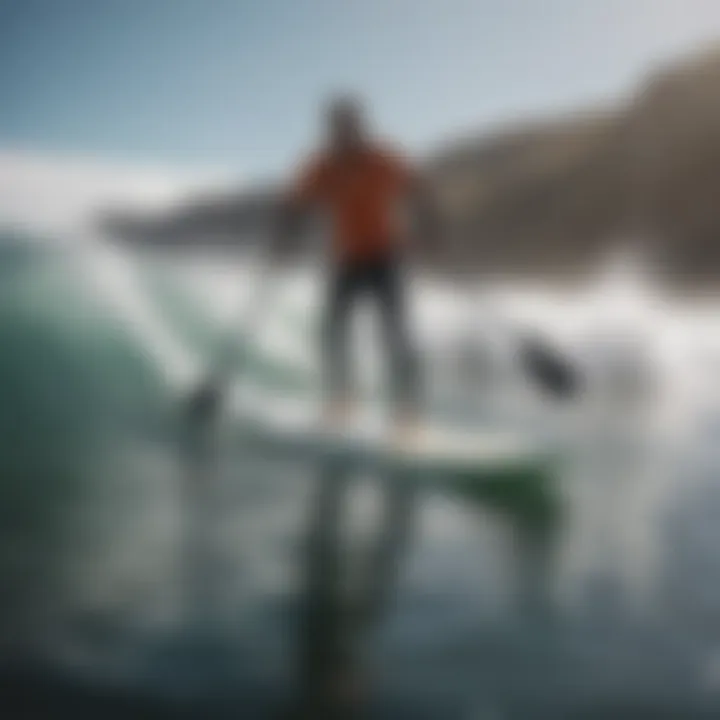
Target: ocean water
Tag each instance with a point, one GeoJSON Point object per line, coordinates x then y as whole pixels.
{"type": "Point", "coordinates": [146, 571]}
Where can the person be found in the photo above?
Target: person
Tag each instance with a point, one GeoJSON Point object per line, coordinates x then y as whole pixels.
{"type": "Point", "coordinates": [362, 186]}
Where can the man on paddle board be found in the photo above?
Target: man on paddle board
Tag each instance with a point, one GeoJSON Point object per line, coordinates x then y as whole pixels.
{"type": "Point", "coordinates": [362, 186]}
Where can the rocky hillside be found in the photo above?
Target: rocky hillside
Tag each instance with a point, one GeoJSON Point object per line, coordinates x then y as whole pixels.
{"type": "Point", "coordinates": [550, 196]}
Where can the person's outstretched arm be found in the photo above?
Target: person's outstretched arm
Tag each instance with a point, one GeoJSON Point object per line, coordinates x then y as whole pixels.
{"type": "Point", "coordinates": [295, 204]}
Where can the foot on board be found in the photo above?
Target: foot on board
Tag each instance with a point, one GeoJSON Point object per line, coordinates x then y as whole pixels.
{"type": "Point", "coordinates": [337, 414]}
{"type": "Point", "coordinates": [408, 430]}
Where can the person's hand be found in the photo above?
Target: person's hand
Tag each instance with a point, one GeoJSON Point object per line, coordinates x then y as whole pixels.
{"type": "Point", "coordinates": [204, 401]}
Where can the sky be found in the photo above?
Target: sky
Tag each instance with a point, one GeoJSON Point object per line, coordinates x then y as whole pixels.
{"type": "Point", "coordinates": [236, 84]}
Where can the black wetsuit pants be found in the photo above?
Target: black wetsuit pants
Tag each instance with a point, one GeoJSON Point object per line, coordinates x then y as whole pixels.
{"type": "Point", "coordinates": [382, 282]}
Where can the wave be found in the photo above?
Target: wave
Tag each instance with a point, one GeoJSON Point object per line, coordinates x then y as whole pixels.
{"type": "Point", "coordinates": [91, 341]}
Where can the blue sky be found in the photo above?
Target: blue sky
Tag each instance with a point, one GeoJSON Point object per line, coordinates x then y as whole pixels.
{"type": "Point", "coordinates": [236, 83]}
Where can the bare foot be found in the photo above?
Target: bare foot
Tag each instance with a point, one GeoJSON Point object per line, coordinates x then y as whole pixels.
{"type": "Point", "coordinates": [407, 431]}
{"type": "Point", "coordinates": [337, 413]}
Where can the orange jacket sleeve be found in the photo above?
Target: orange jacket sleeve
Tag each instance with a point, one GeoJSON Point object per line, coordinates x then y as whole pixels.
{"type": "Point", "coordinates": [310, 183]}
{"type": "Point", "coordinates": [403, 176]}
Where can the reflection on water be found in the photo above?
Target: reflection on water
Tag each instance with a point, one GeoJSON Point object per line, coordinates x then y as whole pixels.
{"type": "Point", "coordinates": [142, 580]}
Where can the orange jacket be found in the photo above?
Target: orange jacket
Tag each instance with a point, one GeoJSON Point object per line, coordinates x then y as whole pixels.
{"type": "Point", "coordinates": [362, 193]}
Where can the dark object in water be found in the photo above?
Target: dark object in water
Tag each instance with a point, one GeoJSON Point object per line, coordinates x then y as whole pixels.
{"type": "Point", "coordinates": [204, 402]}
{"type": "Point", "coordinates": [549, 369]}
